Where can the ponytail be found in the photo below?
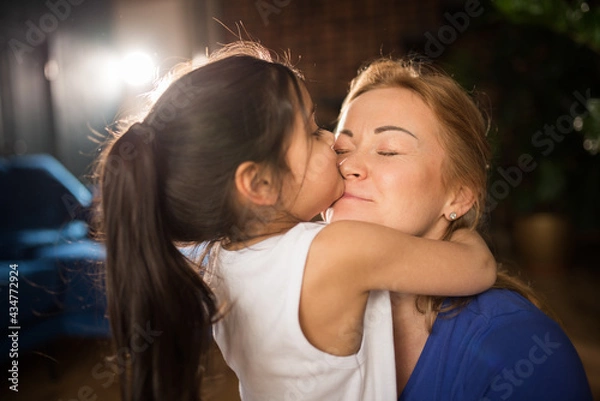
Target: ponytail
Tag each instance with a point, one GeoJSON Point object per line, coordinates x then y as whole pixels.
{"type": "Point", "coordinates": [160, 309]}
{"type": "Point", "coordinates": [171, 180]}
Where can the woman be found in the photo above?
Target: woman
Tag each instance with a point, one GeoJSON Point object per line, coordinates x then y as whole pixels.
{"type": "Point", "coordinates": [412, 149]}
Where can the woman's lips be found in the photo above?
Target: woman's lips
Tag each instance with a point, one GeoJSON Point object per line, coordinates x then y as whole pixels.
{"type": "Point", "coordinates": [349, 196]}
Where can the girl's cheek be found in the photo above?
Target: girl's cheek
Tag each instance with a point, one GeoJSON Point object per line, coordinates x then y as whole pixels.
{"type": "Point", "coordinates": [321, 163]}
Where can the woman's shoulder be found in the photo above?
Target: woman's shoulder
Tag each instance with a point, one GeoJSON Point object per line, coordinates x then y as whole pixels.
{"type": "Point", "coordinates": [507, 326]}
{"type": "Point", "coordinates": [522, 352]}
{"type": "Point", "coordinates": [499, 316]}
{"type": "Point", "coordinates": [503, 345]}
{"type": "Point", "coordinates": [501, 303]}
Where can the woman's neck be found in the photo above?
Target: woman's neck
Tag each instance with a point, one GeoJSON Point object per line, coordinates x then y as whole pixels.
{"type": "Point", "coordinates": [411, 331]}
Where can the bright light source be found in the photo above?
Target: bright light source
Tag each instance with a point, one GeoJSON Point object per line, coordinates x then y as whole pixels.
{"type": "Point", "coordinates": [138, 69]}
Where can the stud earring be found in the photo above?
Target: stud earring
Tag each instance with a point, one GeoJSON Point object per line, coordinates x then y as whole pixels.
{"type": "Point", "coordinates": [453, 216]}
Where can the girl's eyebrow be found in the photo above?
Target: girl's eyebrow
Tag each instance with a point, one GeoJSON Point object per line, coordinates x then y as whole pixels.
{"type": "Point", "coordinates": [385, 128]}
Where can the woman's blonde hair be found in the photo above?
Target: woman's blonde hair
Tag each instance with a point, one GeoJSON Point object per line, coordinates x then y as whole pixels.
{"type": "Point", "coordinates": [463, 135]}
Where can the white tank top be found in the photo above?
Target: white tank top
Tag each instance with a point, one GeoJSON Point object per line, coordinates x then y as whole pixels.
{"type": "Point", "coordinates": [261, 339]}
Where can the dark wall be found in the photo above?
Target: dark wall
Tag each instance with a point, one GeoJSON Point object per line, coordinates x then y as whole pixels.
{"type": "Point", "coordinates": [331, 39]}
{"type": "Point", "coordinates": [47, 99]}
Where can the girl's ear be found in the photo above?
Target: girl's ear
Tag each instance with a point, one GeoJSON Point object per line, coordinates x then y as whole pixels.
{"type": "Point", "coordinates": [255, 184]}
{"type": "Point", "coordinates": [460, 202]}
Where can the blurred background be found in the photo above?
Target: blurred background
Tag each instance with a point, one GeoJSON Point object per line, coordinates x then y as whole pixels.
{"type": "Point", "coordinates": [69, 68]}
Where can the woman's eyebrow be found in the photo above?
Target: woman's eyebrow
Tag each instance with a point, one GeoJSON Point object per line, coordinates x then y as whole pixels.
{"type": "Point", "coordinates": [385, 128]}
{"type": "Point", "coordinates": [346, 132]}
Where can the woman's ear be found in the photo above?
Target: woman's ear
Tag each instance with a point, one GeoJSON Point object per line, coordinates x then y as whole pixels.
{"type": "Point", "coordinates": [255, 184]}
{"type": "Point", "coordinates": [459, 203]}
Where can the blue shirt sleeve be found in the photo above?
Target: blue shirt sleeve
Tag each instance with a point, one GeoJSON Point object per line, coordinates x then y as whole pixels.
{"type": "Point", "coordinates": [525, 356]}
{"type": "Point", "coordinates": [499, 347]}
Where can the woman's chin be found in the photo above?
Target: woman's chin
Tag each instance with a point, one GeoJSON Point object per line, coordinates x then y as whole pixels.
{"type": "Point", "coordinates": [338, 212]}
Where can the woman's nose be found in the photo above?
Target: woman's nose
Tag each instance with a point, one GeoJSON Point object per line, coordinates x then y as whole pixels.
{"type": "Point", "coordinates": [351, 167]}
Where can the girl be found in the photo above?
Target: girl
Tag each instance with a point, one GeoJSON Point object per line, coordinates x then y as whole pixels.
{"type": "Point", "coordinates": [230, 156]}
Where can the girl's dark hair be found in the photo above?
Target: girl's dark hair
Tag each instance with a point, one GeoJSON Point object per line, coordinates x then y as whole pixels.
{"type": "Point", "coordinates": [169, 180]}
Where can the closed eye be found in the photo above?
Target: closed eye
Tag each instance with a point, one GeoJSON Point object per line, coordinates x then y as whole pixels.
{"type": "Point", "coordinates": [319, 132]}
{"type": "Point", "coordinates": [387, 153]}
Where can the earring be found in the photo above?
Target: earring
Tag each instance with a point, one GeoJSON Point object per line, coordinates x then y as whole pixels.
{"type": "Point", "coordinates": [452, 216]}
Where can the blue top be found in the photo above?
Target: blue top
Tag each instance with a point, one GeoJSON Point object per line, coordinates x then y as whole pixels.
{"type": "Point", "coordinates": [499, 347]}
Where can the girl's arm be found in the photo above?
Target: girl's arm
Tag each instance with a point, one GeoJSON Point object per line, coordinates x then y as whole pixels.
{"type": "Point", "coordinates": [366, 256]}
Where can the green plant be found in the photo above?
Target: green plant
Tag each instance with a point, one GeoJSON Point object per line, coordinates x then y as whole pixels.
{"type": "Point", "coordinates": [576, 20]}
{"type": "Point", "coordinates": [539, 62]}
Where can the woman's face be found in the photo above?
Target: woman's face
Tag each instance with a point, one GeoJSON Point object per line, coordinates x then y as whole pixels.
{"type": "Point", "coordinates": [391, 160]}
